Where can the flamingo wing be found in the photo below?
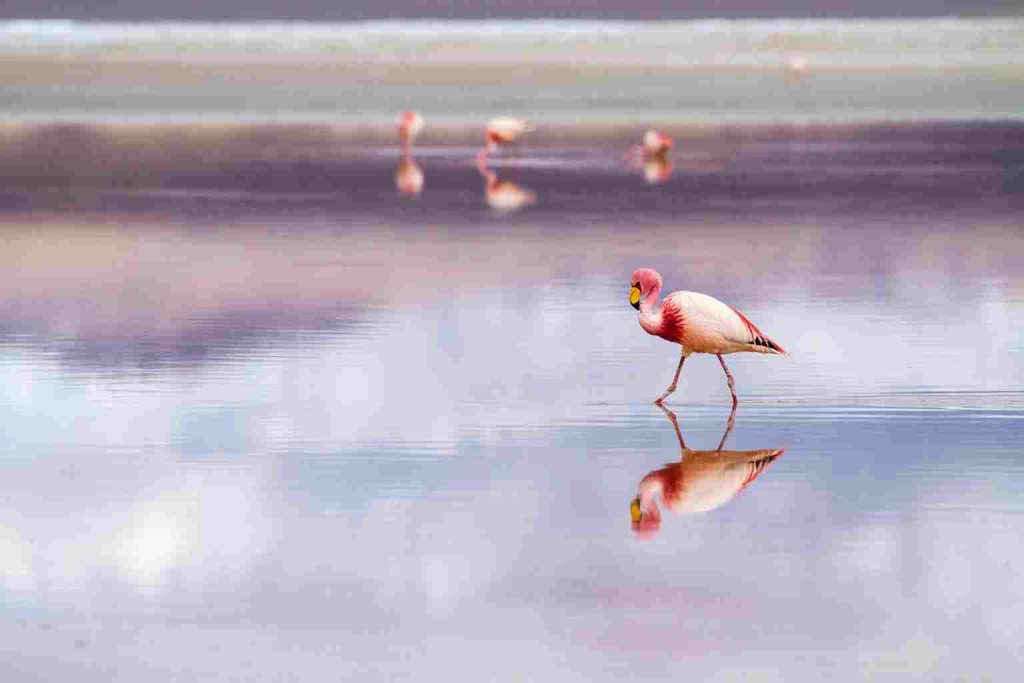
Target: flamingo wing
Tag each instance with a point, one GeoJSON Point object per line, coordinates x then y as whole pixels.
{"type": "Point", "coordinates": [706, 480]}
{"type": "Point", "coordinates": [714, 327]}
{"type": "Point", "coordinates": [507, 129]}
{"type": "Point", "coordinates": [750, 463]}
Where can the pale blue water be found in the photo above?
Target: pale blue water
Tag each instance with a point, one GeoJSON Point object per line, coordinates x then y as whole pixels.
{"type": "Point", "coordinates": [333, 432]}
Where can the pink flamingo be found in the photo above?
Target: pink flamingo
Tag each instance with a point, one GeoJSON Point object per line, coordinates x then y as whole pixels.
{"type": "Point", "coordinates": [652, 157]}
{"type": "Point", "coordinates": [700, 482]}
{"type": "Point", "coordinates": [657, 143]}
{"type": "Point", "coordinates": [410, 125]}
{"type": "Point", "coordinates": [502, 131]}
{"type": "Point", "coordinates": [697, 322]}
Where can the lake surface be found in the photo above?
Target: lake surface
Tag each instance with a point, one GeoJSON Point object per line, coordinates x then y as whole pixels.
{"type": "Point", "coordinates": [267, 418]}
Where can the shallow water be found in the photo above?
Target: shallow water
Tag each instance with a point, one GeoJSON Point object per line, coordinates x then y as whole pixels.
{"type": "Point", "coordinates": [273, 420]}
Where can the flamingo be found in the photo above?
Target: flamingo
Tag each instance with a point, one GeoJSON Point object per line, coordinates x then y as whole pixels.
{"type": "Point", "coordinates": [410, 125]}
{"type": "Point", "coordinates": [656, 144]}
{"type": "Point", "coordinates": [409, 177]}
{"type": "Point", "coordinates": [700, 482]}
{"type": "Point", "coordinates": [502, 131]}
{"type": "Point", "coordinates": [652, 157]}
{"type": "Point", "coordinates": [697, 322]}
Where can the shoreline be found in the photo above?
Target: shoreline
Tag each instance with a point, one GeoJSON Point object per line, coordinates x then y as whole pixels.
{"type": "Point", "coordinates": [137, 153]}
{"type": "Point", "coordinates": [576, 170]}
{"type": "Point", "coordinates": [448, 133]}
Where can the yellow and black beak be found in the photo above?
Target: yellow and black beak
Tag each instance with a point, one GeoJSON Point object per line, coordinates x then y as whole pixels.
{"type": "Point", "coordinates": [634, 296]}
{"type": "Point", "coordinates": [634, 510]}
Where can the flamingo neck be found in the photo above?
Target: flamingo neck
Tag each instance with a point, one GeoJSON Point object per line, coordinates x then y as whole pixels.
{"type": "Point", "coordinates": [650, 313]}
{"type": "Point", "coordinates": [649, 488]}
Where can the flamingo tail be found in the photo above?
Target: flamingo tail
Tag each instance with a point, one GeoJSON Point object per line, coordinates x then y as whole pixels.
{"type": "Point", "coordinates": [759, 339]}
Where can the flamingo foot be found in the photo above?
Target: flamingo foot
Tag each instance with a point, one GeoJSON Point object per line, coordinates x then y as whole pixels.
{"type": "Point", "coordinates": [729, 379]}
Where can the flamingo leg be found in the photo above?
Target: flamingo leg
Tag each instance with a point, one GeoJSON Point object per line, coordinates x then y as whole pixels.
{"type": "Point", "coordinates": [728, 375]}
{"type": "Point", "coordinates": [675, 380]}
{"type": "Point", "coordinates": [728, 427]}
{"type": "Point", "coordinates": [675, 425]}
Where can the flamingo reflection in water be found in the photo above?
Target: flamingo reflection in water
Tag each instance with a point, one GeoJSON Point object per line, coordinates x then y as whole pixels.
{"type": "Point", "coordinates": [504, 196]}
{"type": "Point", "coordinates": [657, 170]}
{"type": "Point", "coordinates": [702, 481]}
{"type": "Point", "coordinates": [409, 177]}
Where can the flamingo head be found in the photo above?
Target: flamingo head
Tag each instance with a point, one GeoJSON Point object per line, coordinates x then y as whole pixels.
{"type": "Point", "coordinates": [646, 519]}
{"type": "Point", "coordinates": [643, 281]}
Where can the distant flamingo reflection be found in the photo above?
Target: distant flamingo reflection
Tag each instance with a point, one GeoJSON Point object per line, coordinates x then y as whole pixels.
{"type": "Point", "coordinates": [505, 196]}
{"type": "Point", "coordinates": [702, 481]}
{"type": "Point", "coordinates": [409, 177]}
{"type": "Point", "coordinates": [657, 170]}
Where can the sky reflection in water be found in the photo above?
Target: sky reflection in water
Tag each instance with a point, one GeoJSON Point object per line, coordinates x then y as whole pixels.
{"type": "Point", "coordinates": [369, 436]}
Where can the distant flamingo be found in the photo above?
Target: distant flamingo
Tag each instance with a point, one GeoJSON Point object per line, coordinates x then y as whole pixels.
{"type": "Point", "coordinates": [502, 131]}
{"type": "Point", "coordinates": [505, 196]}
{"type": "Point", "coordinates": [697, 322]}
{"type": "Point", "coordinates": [409, 177]}
{"type": "Point", "coordinates": [702, 481]}
{"type": "Point", "coordinates": [410, 125]}
{"type": "Point", "coordinates": [652, 157]}
{"type": "Point", "coordinates": [656, 143]}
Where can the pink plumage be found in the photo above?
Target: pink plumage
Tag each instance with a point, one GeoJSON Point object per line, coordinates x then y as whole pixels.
{"type": "Point", "coordinates": [504, 130]}
{"type": "Point", "coordinates": [700, 482]}
{"type": "Point", "coordinates": [657, 143]}
{"type": "Point", "coordinates": [505, 196]}
{"type": "Point", "coordinates": [410, 125]}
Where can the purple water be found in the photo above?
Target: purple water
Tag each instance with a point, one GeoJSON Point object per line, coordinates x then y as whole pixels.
{"type": "Point", "coordinates": [264, 417]}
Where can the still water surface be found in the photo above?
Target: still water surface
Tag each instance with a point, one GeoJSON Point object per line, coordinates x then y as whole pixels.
{"type": "Point", "coordinates": [345, 433]}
